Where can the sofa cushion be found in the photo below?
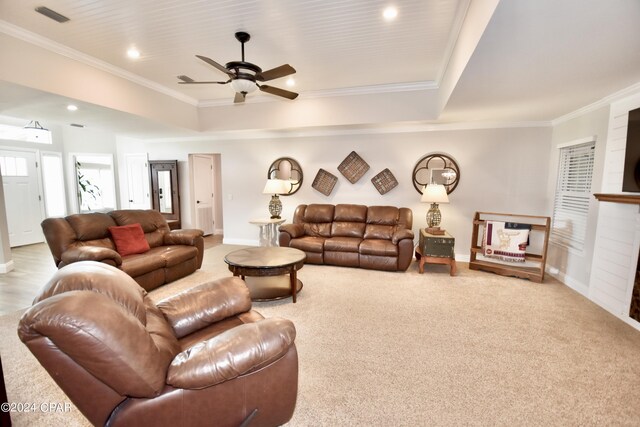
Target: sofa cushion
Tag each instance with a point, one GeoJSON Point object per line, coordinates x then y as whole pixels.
{"type": "Point", "coordinates": [376, 231]}
{"type": "Point", "coordinates": [342, 244]}
{"type": "Point", "coordinates": [129, 239]}
{"type": "Point", "coordinates": [317, 229]}
{"type": "Point", "coordinates": [308, 244]}
{"type": "Point", "coordinates": [91, 226]}
{"type": "Point", "coordinates": [176, 254]}
{"type": "Point", "coordinates": [382, 222]}
{"type": "Point", "coordinates": [350, 213]}
{"type": "Point", "coordinates": [347, 229]}
{"type": "Point", "coordinates": [319, 213]}
{"type": "Point", "coordinates": [378, 247]}
{"type": "Point", "coordinates": [385, 215]}
{"type": "Point", "coordinates": [139, 264]}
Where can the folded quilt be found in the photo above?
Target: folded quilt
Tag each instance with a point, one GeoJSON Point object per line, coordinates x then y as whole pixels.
{"type": "Point", "coordinates": [504, 243]}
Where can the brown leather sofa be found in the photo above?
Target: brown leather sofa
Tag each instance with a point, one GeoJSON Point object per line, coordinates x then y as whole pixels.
{"type": "Point", "coordinates": [374, 237]}
{"type": "Point", "coordinates": [200, 358]}
{"type": "Point", "coordinates": [85, 237]}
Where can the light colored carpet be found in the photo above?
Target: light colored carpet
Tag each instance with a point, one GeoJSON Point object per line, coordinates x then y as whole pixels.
{"type": "Point", "coordinates": [404, 349]}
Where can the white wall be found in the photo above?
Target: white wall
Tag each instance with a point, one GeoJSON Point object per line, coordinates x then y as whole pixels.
{"type": "Point", "coordinates": [501, 170]}
{"type": "Point", "coordinates": [617, 237]}
{"type": "Point", "coordinates": [568, 265]}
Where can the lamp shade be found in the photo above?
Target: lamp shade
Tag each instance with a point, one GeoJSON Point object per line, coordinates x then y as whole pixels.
{"type": "Point", "coordinates": [243, 85]}
{"type": "Point", "coordinates": [434, 193]}
{"type": "Point", "coordinates": [276, 186]}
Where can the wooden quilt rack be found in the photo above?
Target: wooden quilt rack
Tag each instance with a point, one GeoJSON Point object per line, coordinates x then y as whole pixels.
{"type": "Point", "coordinates": [539, 224]}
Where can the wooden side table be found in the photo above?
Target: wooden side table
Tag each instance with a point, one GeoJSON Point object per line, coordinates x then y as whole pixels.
{"type": "Point", "coordinates": [436, 249]}
{"type": "Point", "coordinates": [450, 261]}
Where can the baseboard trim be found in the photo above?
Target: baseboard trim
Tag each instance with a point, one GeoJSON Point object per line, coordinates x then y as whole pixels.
{"type": "Point", "coordinates": [576, 285]}
{"type": "Point", "coordinates": [243, 242]}
{"type": "Point", "coordinates": [6, 267]}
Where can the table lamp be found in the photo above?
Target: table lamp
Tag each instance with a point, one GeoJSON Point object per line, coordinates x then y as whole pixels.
{"type": "Point", "coordinates": [434, 194]}
{"type": "Point", "coordinates": [275, 187]}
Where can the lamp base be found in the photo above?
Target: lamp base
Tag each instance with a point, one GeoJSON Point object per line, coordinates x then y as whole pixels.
{"type": "Point", "coordinates": [275, 207]}
{"type": "Point", "coordinates": [436, 231]}
{"type": "Point", "coordinates": [433, 216]}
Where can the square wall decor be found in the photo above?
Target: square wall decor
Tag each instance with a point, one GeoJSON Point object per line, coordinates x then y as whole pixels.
{"type": "Point", "coordinates": [384, 181]}
{"type": "Point", "coordinates": [324, 182]}
{"type": "Point", "coordinates": [353, 167]}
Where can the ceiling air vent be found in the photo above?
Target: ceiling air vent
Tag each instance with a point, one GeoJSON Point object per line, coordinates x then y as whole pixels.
{"type": "Point", "coordinates": [51, 14]}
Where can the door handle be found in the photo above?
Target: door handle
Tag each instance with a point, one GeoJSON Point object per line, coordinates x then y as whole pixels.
{"type": "Point", "coordinates": [130, 201]}
{"type": "Point", "coordinates": [197, 201]}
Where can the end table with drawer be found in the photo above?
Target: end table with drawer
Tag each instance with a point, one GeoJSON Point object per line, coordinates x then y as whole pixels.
{"type": "Point", "coordinates": [436, 249]}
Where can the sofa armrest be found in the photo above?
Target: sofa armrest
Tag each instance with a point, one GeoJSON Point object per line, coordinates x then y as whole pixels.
{"type": "Point", "coordinates": [235, 352]}
{"type": "Point", "coordinates": [182, 237]}
{"type": "Point", "coordinates": [401, 234]}
{"type": "Point", "coordinates": [91, 253]}
{"type": "Point", "coordinates": [205, 304]}
{"type": "Point", "coordinates": [295, 230]}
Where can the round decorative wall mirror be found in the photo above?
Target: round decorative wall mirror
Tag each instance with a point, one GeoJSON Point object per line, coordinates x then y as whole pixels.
{"type": "Point", "coordinates": [436, 168]}
{"type": "Point", "coordinates": [287, 169]}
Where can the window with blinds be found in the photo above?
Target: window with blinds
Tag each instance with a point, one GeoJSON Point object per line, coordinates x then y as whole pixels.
{"type": "Point", "coordinates": [573, 193]}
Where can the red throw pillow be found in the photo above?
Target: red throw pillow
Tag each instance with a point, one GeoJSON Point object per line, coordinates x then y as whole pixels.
{"type": "Point", "coordinates": [129, 239]}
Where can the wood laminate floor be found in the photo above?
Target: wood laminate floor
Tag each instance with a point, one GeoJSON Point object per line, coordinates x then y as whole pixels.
{"type": "Point", "coordinates": [33, 267]}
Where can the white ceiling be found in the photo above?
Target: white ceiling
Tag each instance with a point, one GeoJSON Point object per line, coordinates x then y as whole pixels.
{"type": "Point", "coordinates": [331, 43]}
{"type": "Point", "coordinates": [536, 60]}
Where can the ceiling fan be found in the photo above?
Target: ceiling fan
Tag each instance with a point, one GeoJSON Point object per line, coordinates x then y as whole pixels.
{"type": "Point", "coordinates": [244, 76]}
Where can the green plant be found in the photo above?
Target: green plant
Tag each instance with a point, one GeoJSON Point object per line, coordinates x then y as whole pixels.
{"type": "Point", "coordinates": [86, 187]}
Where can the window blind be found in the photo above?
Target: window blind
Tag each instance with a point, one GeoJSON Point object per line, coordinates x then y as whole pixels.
{"type": "Point", "coordinates": [573, 193]}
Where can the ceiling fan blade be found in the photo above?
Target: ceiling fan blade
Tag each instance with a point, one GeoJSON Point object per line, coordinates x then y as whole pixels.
{"type": "Point", "coordinates": [215, 64]}
{"type": "Point", "coordinates": [189, 81]}
{"type": "Point", "coordinates": [239, 98]}
{"type": "Point", "coordinates": [185, 79]}
{"type": "Point", "coordinates": [275, 73]}
{"type": "Point", "coordinates": [278, 92]}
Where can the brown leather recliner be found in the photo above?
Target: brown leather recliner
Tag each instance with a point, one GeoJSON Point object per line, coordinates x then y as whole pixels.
{"type": "Point", "coordinates": [199, 358]}
{"type": "Point", "coordinates": [85, 237]}
{"type": "Point", "coordinates": [374, 237]}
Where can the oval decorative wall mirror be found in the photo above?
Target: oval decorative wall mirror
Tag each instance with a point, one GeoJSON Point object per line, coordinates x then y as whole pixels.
{"type": "Point", "coordinates": [287, 169]}
{"type": "Point", "coordinates": [436, 168]}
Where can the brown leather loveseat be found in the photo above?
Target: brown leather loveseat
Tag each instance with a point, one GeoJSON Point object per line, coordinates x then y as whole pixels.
{"type": "Point", "coordinates": [374, 237]}
{"type": "Point", "coordinates": [86, 237]}
{"type": "Point", "coordinates": [202, 357]}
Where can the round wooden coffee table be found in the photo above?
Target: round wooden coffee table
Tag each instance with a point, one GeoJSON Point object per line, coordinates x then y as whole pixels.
{"type": "Point", "coordinates": [264, 269]}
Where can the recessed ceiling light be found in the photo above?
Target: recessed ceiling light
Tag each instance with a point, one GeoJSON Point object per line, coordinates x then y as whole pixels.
{"type": "Point", "coordinates": [390, 13]}
{"type": "Point", "coordinates": [72, 107]}
{"type": "Point", "coordinates": [291, 82]}
{"type": "Point", "coordinates": [133, 53]}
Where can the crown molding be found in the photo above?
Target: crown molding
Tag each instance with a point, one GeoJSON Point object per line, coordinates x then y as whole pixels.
{"type": "Point", "coordinates": [393, 128]}
{"type": "Point", "coordinates": [347, 91]}
{"type": "Point", "coordinates": [50, 45]}
{"type": "Point", "coordinates": [604, 102]}
{"type": "Point", "coordinates": [453, 37]}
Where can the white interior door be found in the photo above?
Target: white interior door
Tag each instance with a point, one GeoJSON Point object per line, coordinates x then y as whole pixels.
{"type": "Point", "coordinates": [138, 181]}
{"type": "Point", "coordinates": [22, 197]}
{"type": "Point", "coordinates": [203, 192]}
{"type": "Point", "coordinates": [55, 199]}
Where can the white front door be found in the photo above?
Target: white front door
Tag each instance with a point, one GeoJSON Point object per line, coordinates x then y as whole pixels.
{"type": "Point", "coordinates": [203, 192]}
{"type": "Point", "coordinates": [22, 197]}
{"type": "Point", "coordinates": [138, 181]}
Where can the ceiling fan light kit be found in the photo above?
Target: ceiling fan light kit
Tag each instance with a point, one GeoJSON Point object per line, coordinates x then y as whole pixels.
{"type": "Point", "coordinates": [244, 76]}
